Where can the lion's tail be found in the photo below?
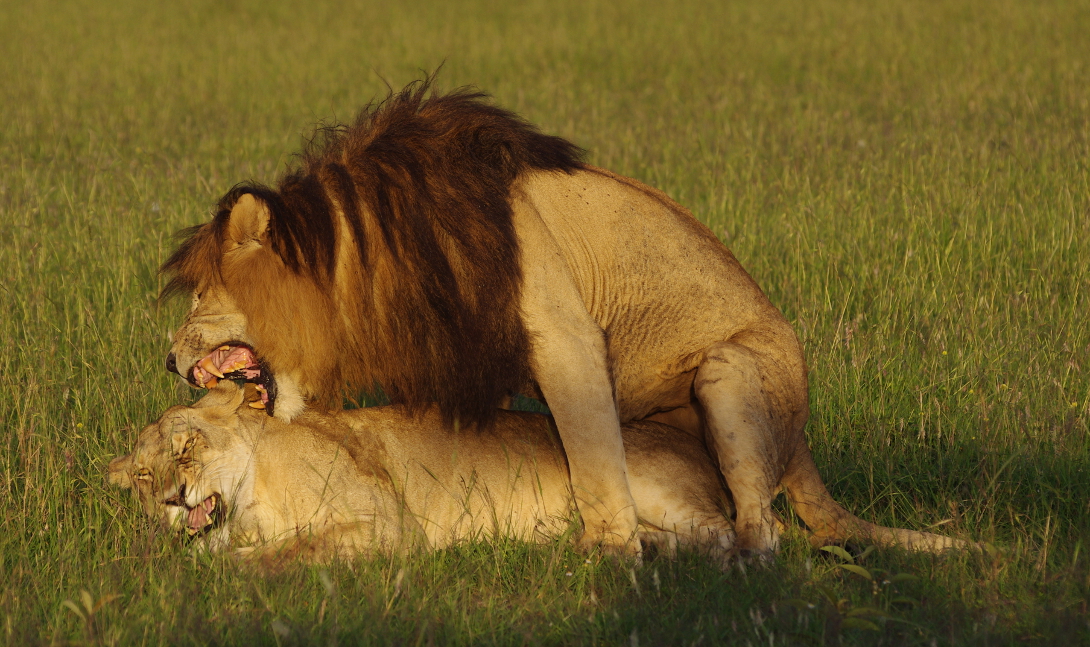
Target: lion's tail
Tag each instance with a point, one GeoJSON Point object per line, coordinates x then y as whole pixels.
{"type": "Point", "coordinates": [830, 523]}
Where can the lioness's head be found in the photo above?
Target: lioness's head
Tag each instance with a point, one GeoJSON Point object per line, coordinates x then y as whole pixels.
{"type": "Point", "coordinates": [186, 462]}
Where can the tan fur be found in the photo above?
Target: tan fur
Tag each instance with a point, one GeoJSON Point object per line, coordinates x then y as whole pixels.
{"type": "Point", "coordinates": [697, 344]}
{"type": "Point", "coordinates": [378, 480]}
{"type": "Point", "coordinates": [628, 308]}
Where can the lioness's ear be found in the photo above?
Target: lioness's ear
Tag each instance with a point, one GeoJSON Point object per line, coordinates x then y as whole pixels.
{"type": "Point", "coordinates": [249, 220]}
{"type": "Point", "coordinates": [118, 472]}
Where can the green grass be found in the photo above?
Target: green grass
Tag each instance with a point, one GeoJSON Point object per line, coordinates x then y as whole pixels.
{"type": "Point", "coordinates": [909, 182]}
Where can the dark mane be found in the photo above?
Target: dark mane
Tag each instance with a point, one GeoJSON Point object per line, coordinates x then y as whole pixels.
{"type": "Point", "coordinates": [420, 185]}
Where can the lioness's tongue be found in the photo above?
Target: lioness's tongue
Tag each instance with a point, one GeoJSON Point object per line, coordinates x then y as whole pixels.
{"type": "Point", "coordinates": [198, 517]}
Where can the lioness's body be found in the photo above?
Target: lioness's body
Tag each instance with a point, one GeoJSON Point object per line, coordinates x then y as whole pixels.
{"type": "Point", "coordinates": [627, 307]}
{"type": "Point", "coordinates": [378, 479]}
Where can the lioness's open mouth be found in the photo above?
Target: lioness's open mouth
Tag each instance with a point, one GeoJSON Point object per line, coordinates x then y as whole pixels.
{"type": "Point", "coordinates": [204, 517]}
{"type": "Point", "coordinates": [207, 515]}
{"type": "Point", "coordinates": [236, 361]}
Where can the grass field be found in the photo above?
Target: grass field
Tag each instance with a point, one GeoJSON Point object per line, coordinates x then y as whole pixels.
{"type": "Point", "coordinates": [909, 182]}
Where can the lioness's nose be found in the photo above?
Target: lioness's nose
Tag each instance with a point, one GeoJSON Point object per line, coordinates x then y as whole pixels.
{"type": "Point", "coordinates": [172, 363]}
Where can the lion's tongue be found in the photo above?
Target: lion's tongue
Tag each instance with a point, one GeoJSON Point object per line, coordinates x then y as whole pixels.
{"type": "Point", "coordinates": [242, 359]}
{"type": "Point", "coordinates": [198, 517]}
{"type": "Point", "coordinates": [225, 359]}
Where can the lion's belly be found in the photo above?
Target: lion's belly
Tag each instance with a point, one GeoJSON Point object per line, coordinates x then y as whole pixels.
{"type": "Point", "coordinates": [640, 394]}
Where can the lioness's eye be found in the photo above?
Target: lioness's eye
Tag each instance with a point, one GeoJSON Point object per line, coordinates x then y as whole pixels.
{"type": "Point", "coordinates": [143, 473]}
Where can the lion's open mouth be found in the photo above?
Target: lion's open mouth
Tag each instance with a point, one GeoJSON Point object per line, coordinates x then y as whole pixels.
{"type": "Point", "coordinates": [236, 361]}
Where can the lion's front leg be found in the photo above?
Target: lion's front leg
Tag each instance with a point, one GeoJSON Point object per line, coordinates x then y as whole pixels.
{"type": "Point", "coordinates": [573, 378]}
{"type": "Point", "coordinates": [569, 363]}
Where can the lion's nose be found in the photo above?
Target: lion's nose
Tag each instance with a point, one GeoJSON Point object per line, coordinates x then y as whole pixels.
{"type": "Point", "coordinates": [172, 363]}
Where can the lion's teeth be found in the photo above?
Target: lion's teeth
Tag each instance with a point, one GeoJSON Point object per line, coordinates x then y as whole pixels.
{"type": "Point", "coordinates": [210, 366]}
{"type": "Point", "coordinates": [211, 383]}
{"type": "Point", "coordinates": [256, 404]}
{"type": "Point", "coordinates": [224, 348]}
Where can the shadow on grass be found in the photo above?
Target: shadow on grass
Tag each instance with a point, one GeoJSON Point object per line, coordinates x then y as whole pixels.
{"type": "Point", "coordinates": [506, 592]}
{"type": "Point", "coordinates": [999, 496]}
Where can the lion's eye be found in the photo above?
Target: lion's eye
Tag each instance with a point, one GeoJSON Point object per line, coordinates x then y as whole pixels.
{"type": "Point", "coordinates": [143, 473]}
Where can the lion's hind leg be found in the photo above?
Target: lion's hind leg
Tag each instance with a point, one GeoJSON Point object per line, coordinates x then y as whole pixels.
{"type": "Point", "coordinates": [735, 385]}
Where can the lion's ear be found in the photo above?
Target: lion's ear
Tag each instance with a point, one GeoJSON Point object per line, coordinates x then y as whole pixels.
{"type": "Point", "coordinates": [118, 472]}
{"type": "Point", "coordinates": [249, 220]}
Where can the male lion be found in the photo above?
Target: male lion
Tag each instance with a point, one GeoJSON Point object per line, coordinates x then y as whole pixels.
{"type": "Point", "coordinates": [381, 479]}
{"type": "Point", "coordinates": [443, 249]}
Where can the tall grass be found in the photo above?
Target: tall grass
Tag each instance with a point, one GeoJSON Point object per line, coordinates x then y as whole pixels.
{"type": "Point", "coordinates": [909, 182]}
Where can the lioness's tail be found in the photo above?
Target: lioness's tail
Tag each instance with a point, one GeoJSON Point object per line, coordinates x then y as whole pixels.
{"type": "Point", "coordinates": [831, 523]}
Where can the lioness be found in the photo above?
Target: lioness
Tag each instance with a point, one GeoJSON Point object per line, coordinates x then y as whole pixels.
{"type": "Point", "coordinates": [444, 249]}
{"type": "Point", "coordinates": [379, 479]}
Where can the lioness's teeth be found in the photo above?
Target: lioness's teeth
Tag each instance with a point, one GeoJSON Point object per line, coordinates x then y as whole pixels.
{"type": "Point", "coordinates": [256, 404]}
{"type": "Point", "coordinates": [224, 348]}
{"type": "Point", "coordinates": [211, 383]}
{"type": "Point", "coordinates": [210, 366]}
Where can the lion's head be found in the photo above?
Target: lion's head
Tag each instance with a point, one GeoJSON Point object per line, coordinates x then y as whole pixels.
{"type": "Point", "coordinates": [231, 269]}
{"type": "Point", "coordinates": [187, 463]}
{"type": "Point", "coordinates": [387, 258]}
